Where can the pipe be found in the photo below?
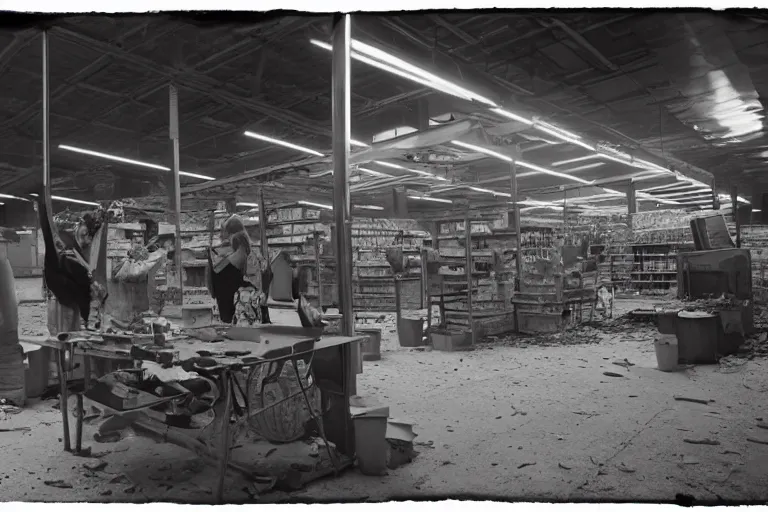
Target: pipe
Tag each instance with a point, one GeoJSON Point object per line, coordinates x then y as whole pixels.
{"type": "Point", "coordinates": [341, 106]}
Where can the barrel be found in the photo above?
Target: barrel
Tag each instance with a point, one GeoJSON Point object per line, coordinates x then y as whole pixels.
{"type": "Point", "coordinates": [11, 353]}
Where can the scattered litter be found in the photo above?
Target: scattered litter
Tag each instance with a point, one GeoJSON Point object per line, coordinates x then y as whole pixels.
{"type": "Point", "coordinates": [623, 363]}
{"type": "Point", "coordinates": [612, 374]}
{"type": "Point", "coordinates": [270, 452]}
{"type": "Point", "coordinates": [61, 484]}
{"type": "Point", "coordinates": [446, 463]}
{"type": "Point", "coordinates": [15, 429]}
{"type": "Point", "coordinates": [757, 441]}
{"type": "Point", "coordinates": [762, 425]}
{"type": "Point", "coordinates": [694, 400]}
{"type": "Point", "coordinates": [688, 460]}
{"type": "Point", "coordinates": [119, 479]}
{"type": "Point", "coordinates": [563, 466]}
{"type": "Point", "coordinates": [706, 441]}
{"type": "Point", "coordinates": [624, 469]}
{"type": "Point", "coordinates": [107, 493]}
{"type": "Point", "coordinates": [731, 452]}
{"type": "Point", "coordinates": [525, 464]}
{"type": "Point", "coordinates": [97, 465]}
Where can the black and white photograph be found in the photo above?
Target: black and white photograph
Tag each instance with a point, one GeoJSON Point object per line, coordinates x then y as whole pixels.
{"type": "Point", "coordinates": [362, 256]}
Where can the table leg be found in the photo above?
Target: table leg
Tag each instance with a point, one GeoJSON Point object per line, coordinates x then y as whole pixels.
{"type": "Point", "coordinates": [79, 424]}
{"type": "Point", "coordinates": [63, 396]}
{"type": "Point", "coordinates": [224, 462]}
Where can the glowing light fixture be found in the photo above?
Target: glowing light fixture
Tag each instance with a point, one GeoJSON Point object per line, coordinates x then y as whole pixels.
{"type": "Point", "coordinates": [249, 205]}
{"type": "Point", "coordinates": [283, 143]}
{"type": "Point", "coordinates": [433, 199]}
{"type": "Point", "coordinates": [374, 173]}
{"type": "Point", "coordinates": [317, 205]}
{"type": "Point", "coordinates": [415, 171]}
{"type": "Point", "coordinates": [754, 210]}
{"type": "Point", "coordinates": [139, 163]}
{"type": "Point", "coordinates": [480, 149]}
{"type": "Point", "coordinates": [489, 191]}
{"type": "Point", "coordinates": [357, 143]}
{"type": "Point", "coordinates": [511, 115]}
{"type": "Point", "coordinates": [367, 207]}
{"type": "Point", "coordinates": [70, 200]}
{"type": "Point", "coordinates": [6, 196]}
{"type": "Point", "coordinates": [542, 170]}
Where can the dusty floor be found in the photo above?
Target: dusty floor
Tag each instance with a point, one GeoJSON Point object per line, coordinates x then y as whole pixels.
{"type": "Point", "coordinates": [505, 421]}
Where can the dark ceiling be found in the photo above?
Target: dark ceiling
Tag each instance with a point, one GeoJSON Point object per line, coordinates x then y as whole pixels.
{"type": "Point", "coordinates": [670, 82]}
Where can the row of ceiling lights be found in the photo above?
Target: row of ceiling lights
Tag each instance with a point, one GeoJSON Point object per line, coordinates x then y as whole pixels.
{"type": "Point", "coordinates": [385, 61]}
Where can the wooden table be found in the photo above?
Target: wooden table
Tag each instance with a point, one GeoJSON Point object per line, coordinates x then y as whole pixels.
{"type": "Point", "coordinates": [332, 364]}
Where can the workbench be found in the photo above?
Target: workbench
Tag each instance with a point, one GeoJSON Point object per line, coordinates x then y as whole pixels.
{"type": "Point", "coordinates": [331, 370]}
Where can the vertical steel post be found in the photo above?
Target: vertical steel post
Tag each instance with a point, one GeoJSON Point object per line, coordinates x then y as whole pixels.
{"type": "Point", "coordinates": [341, 136]}
{"type": "Point", "coordinates": [735, 208]}
{"type": "Point", "coordinates": [263, 226]}
{"type": "Point", "coordinates": [174, 135]}
{"type": "Point", "coordinates": [46, 126]}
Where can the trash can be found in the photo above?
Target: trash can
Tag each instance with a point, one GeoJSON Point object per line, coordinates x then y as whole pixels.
{"type": "Point", "coordinates": [371, 445]}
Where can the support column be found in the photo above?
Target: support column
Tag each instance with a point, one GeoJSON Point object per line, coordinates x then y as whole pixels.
{"type": "Point", "coordinates": [174, 135]}
{"type": "Point", "coordinates": [516, 218]}
{"type": "Point", "coordinates": [735, 208]}
{"type": "Point", "coordinates": [263, 219]}
{"type": "Point", "coordinates": [341, 135]}
{"type": "Point", "coordinates": [46, 126]}
{"type": "Point", "coordinates": [422, 110]}
{"type": "Point", "coordinates": [631, 198]}
{"type": "Point", "coordinates": [715, 197]}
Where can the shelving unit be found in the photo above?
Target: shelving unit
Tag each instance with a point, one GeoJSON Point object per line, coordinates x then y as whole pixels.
{"type": "Point", "coordinates": [472, 278]}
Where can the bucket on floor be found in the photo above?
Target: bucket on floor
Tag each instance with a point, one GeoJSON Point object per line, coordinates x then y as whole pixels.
{"type": "Point", "coordinates": [666, 352]}
{"type": "Point", "coordinates": [410, 332]}
{"type": "Point", "coordinates": [371, 347]}
{"type": "Point", "coordinates": [371, 445]}
{"type": "Point", "coordinates": [697, 336]}
{"type": "Point", "coordinates": [667, 322]}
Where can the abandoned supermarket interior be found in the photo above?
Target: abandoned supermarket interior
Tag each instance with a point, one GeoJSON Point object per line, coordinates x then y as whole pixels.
{"type": "Point", "coordinates": [492, 254]}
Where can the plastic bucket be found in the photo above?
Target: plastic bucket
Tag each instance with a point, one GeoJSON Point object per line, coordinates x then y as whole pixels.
{"type": "Point", "coordinates": [371, 347]}
{"type": "Point", "coordinates": [371, 444]}
{"type": "Point", "coordinates": [410, 332]}
{"type": "Point", "coordinates": [666, 352]}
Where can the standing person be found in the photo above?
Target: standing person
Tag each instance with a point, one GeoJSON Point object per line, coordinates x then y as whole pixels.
{"type": "Point", "coordinates": [239, 301]}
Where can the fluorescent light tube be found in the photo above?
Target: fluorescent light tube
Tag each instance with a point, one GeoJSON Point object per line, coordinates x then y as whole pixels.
{"type": "Point", "coordinates": [6, 196]}
{"type": "Point", "coordinates": [283, 143]}
{"type": "Point", "coordinates": [488, 191]}
{"type": "Point", "coordinates": [131, 161]}
{"type": "Point", "coordinates": [584, 167]}
{"type": "Point", "coordinates": [415, 171]}
{"type": "Point", "coordinates": [561, 136]}
{"type": "Point", "coordinates": [564, 133]}
{"type": "Point", "coordinates": [410, 68]}
{"type": "Point", "coordinates": [574, 160]}
{"type": "Point", "coordinates": [357, 143]}
{"type": "Point", "coordinates": [318, 205]}
{"type": "Point", "coordinates": [511, 115]}
{"type": "Point", "coordinates": [367, 207]}
{"type": "Point", "coordinates": [249, 205]}
{"type": "Point", "coordinates": [550, 172]}
{"type": "Point", "coordinates": [433, 199]}
{"type": "Point", "coordinates": [374, 173]}
{"type": "Point", "coordinates": [754, 210]}
{"type": "Point", "coordinates": [480, 149]}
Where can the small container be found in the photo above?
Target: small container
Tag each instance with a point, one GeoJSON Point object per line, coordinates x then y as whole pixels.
{"type": "Point", "coordinates": [666, 352]}
{"type": "Point", "coordinates": [371, 445]}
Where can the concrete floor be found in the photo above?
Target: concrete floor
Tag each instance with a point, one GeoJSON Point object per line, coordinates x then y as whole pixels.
{"type": "Point", "coordinates": [504, 421]}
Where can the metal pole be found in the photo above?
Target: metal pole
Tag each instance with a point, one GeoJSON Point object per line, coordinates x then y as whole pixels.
{"type": "Point", "coordinates": [46, 126]}
{"type": "Point", "coordinates": [341, 135]}
{"type": "Point", "coordinates": [518, 231]}
{"type": "Point", "coordinates": [565, 213]}
{"type": "Point", "coordinates": [174, 134]}
{"type": "Point", "coordinates": [735, 208]}
{"type": "Point", "coordinates": [468, 248]}
{"type": "Point", "coordinates": [263, 225]}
